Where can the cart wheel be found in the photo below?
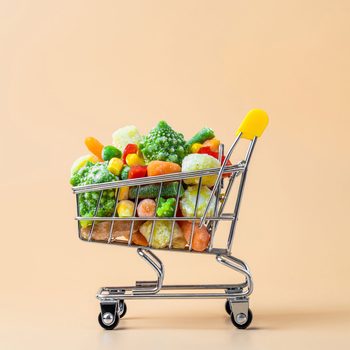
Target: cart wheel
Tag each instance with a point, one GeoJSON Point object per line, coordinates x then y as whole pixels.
{"type": "Point", "coordinates": [245, 321]}
{"type": "Point", "coordinates": [124, 309]}
{"type": "Point", "coordinates": [228, 308]}
{"type": "Point", "coordinates": [108, 322]}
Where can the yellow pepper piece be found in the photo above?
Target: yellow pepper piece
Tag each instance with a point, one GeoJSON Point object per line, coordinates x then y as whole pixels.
{"type": "Point", "coordinates": [196, 147]}
{"type": "Point", "coordinates": [115, 165]}
{"type": "Point", "coordinates": [123, 193]}
{"type": "Point", "coordinates": [133, 159]}
{"type": "Point", "coordinates": [125, 208]}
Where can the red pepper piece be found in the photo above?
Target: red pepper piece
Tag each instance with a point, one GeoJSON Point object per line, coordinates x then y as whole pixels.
{"type": "Point", "coordinates": [129, 149]}
{"type": "Point", "coordinates": [137, 171]}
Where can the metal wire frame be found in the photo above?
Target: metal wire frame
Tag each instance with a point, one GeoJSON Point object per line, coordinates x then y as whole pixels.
{"type": "Point", "coordinates": [219, 199]}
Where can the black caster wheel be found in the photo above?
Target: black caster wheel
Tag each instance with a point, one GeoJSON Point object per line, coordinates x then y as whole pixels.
{"type": "Point", "coordinates": [123, 308]}
{"type": "Point", "coordinates": [228, 308]}
{"type": "Point", "coordinates": [108, 322]}
{"type": "Point", "coordinates": [246, 320]}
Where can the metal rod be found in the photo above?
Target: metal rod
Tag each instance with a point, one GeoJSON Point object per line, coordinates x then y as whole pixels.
{"type": "Point", "coordinates": [134, 214]}
{"type": "Point", "coordinates": [176, 207]}
{"type": "Point", "coordinates": [239, 195]}
{"type": "Point", "coordinates": [218, 180]}
{"type": "Point", "coordinates": [156, 179]}
{"type": "Point", "coordinates": [96, 211]}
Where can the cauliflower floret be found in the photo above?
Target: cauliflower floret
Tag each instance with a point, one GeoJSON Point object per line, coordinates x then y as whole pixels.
{"type": "Point", "coordinates": [123, 136]}
{"type": "Point", "coordinates": [188, 201]}
{"type": "Point", "coordinates": [196, 161]}
{"type": "Point", "coordinates": [161, 234]}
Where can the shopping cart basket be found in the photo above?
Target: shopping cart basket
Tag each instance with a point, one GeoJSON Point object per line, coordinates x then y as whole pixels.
{"type": "Point", "coordinates": [102, 230]}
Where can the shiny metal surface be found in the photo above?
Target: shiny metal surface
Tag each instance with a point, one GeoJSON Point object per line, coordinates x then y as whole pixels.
{"type": "Point", "coordinates": [236, 294]}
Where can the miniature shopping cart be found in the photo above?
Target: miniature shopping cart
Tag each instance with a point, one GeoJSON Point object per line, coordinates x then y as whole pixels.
{"type": "Point", "coordinates": [102, 229]}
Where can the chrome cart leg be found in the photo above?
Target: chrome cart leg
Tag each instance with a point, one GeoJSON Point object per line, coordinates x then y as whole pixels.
{"type": "Point", "coordinates": [150, 287]}
{"type": "Point", "coordinates": [237, 306]}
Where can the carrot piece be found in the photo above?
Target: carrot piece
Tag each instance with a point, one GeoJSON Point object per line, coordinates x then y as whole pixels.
{"type": "Point", "coordinates": [158, 167]}
{"type": "Point", "coordinates": [94, 146]}
{"type": "Point", "coordinates": [139, 239]}
{"type": "Point", "coordinates": [201, 235]}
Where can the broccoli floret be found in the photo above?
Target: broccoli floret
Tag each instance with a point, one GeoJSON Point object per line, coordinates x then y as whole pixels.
{"type": "Point", "coordinates": [163, 143]}
{"type": "Point", "coordinates": [93, 174]}
{"type": "Point", "coordinates": [166, 207]}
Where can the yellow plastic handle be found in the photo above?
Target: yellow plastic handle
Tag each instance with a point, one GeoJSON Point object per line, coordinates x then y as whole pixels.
{"type": "Point", "coordinates": [254, 124]}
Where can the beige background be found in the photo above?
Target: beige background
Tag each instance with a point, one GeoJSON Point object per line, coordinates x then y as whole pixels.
{"type": "Point", "coordinates": [75, 68]}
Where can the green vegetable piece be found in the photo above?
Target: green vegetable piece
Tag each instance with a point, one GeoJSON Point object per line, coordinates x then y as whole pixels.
{"type": "Point", "coordinates": [169, 189]}
{"type": "Point", "coordinates": [201, 136]}
{"type": "Point", "coordinates": [109, 152]}
{"type": "Point", "coordinates": [163, 143]}
{"type": "Point", "coordinates": [166, 207]}
{"type": "Point", "coordinates": [87, 202]}
{"type": "Point", "coordinates": [124, 174]}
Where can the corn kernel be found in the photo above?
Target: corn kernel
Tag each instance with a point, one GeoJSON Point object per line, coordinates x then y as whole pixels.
{"type": "Point", "coordinates": [115, 165]}
{"type": "Point", "coordinates": [123, 193]}
{"type": "Point", "coordinates": [195, 147]}
{"type": "Point", "coordinates": [133, 159]}
{"type": "Point", "coordinates": [125, 208]}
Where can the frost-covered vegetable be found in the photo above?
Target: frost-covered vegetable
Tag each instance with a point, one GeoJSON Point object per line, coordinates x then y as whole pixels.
{"type": "Point", "coordinates": [200, 238]}
{"type": "Point", "coordinates": [196, 161]}
{"type": "Point", "coordinates": [94, 146]}
{"type": "Point", "coordinates": [162, 233]}
{"type": "Point", "coordinates": [115, 166]}
{"type": "Point", "coordinates": [125, 208]}
{"type": "Point", "coordinates": [169, 189]}
{"type": "Point", "coordinates": [201, 136]}
{"type": "Point", "coordinates": [93, 174]}
{"type": "Point", "coordinates": [146, 207]}
{"type": "Point", "coordinates": [159, 167]}
{"type": "Point", "coordinates": [126, 135]}
{"type": "Point", "coordinates": [188, 201]}
{"type": "Point", "coordinates": [109, 152]}
{"type": "Point", "coordinates": [166, 207]}
{"type": "Point", "coordinates": [81, 162]}
{"type": "Point", "coordinates": [163, 143]}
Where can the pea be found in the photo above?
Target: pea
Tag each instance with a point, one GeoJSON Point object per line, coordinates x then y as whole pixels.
{"type": "Point", "coordinates": [109, 152]}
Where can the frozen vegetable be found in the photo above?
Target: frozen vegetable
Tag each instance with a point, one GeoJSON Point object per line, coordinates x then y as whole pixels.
{"type": "Point", "coordinates": [137, 171]}
{"type": "Point", "coordinates": [166, 207]}
{"type": "Point", "coordinates": [195, 147]}
{"type": "Point", "coordinates": [213, 144]}
{"type": "Point", "coordinates": [126, 135]}
{"type": "Point", "coordinates": [94, 146]}
{"type": "Point", "coordinates": [124, 174]}
{"type": "Point", "coordinates": [201, 136]}
{"type": "Point", "coordinates": [123, 193]}
{"type": "Point", "coordinates": [139, 239]}
{"type": "Point", "coordinates": [188, 201]}
{"type": "Point", "coordinates": [92, 174]}
{"type": "Point", "coordinates": [81, 162]}
{"type": "Point", "coordinates": [146, 207]}
{"type": "Point", "coordinates": [109, 152]}
{"type": "Point", "coordinates": [200, 238]}
{"type": "Point", "coordinates": [115, 166]}
{"type": "Point", "coordinates": [133, 159]}
{"type": "Point", "coordinates": [169, 189]}
{"type": "Point", "coordinates": [162, 233]}
{"type": "Point", "coordinates": [125, 208]}
{"type": "Point", "coordinates": [197, 161]}
{"type": "Point", "coordinates": [163, 143]}
{"type": "Point", "coordinates": [159, 167]}
{"type": "Point", "coordinates": [130, 148]}
{"type": "Point", "coordinates": [121, 229]}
